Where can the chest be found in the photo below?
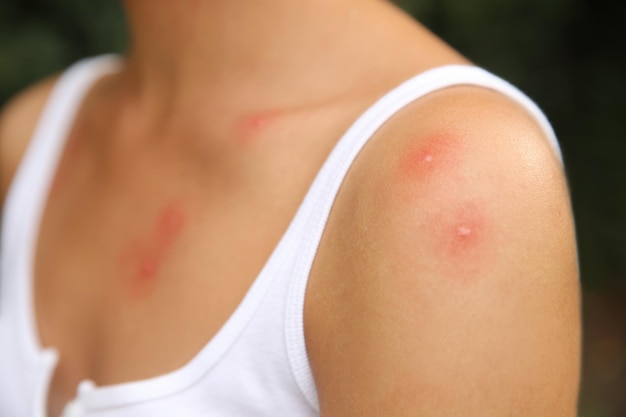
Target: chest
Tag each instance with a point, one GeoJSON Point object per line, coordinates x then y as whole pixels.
{"type": "Point", "coordinates": [120, 271]}
{"type": "Point", "coordinates": [137, 269]}
{"type": "Point", "coordinates": [141, 259]}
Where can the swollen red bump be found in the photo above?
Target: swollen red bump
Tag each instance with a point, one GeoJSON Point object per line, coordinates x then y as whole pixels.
{"type": "Point", "coordinates": [148, 269]}
{"type": "Point", "coordinates": [463, 241]}
{"type": "Point", "coordinates": [457, 230]}
{"type": "Point", "coordinates": [169, 226]}
{"type": "Point", "coordinates": [250, 127]}
{"type": "Point", "coordinates": [147, 255]}
{"type": "Point", "coordinates": [431, 155]}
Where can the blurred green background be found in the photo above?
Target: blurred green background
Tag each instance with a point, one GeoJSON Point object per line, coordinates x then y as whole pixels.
{"type": "Point", "coordinates": [568, 55]}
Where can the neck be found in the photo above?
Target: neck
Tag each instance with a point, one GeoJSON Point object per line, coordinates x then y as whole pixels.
{"type": "Point", "coordinates": [192, 44]}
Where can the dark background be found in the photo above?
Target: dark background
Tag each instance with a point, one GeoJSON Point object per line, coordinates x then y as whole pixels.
{"type": "Point", "coordinates": [568, 55]}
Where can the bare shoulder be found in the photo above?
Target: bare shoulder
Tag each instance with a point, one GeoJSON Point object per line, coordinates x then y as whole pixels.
{"type": "Point", "coordinates": [447, 281]}
{"type": "Point", "coordinates": [17, 123]}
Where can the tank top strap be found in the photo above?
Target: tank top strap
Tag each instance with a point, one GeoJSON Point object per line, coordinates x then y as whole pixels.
{"type": "Point", "coordinates": [318, 202]}
{"type": "Point", "coordinates": [28, 192]}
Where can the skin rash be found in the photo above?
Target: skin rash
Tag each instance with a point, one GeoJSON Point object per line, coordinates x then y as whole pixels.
{"type": "Point", "coordinates": [440, 152]}
{"type": "Point", "coordinates": [458, 233]}
{"type": "Point", "coordinates": [147, 254]}
{"type": "Point", "coordinates": [248, 128]}
{"type": "Point", "coordinates": [461, 240]}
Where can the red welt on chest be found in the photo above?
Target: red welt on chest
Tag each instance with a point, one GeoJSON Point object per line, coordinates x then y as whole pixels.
{"type": "Point", "coordinates": [145, 257]}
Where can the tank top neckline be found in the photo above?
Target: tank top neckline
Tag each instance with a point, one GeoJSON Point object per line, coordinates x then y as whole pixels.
{"type": "Point", "coordinates": [75, 83]}
{"type": "Point", "coordinates": [49, 139]}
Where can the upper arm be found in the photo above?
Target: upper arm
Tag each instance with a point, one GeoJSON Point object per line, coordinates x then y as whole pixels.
{"type": "Point", "coordinates": [447, 283]}
{"type": "Point", "coordinates": [17, 123]}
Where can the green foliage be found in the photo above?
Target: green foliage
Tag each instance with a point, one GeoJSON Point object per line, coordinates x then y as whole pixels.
{"type": "Point", "coordinates": [38, 38]}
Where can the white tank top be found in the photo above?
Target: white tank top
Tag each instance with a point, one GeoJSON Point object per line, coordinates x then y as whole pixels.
{"type": "Point", "coordinates": [256, 365]}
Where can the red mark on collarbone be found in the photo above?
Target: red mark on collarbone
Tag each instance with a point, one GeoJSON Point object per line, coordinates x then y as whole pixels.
{"type": "Point", "coordinates": [251, 127]}
{"type": "Point", "coordinates": [432, 155]}
{"type": "Point", "coordinates": [146, 255]}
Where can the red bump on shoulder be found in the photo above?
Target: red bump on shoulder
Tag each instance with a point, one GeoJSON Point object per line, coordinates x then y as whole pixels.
{"type": "Point", "coordinates": [463, 240]}
{"type": "Point", "coordinates": [435, 189]}
{"type": "Point", "coordinates": [430, 156]}
{"type": "Point", "coordinates": [462, 230]}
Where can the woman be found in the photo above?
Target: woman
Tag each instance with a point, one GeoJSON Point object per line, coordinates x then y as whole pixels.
{"type": "Point", "coordinates": [162, 235]}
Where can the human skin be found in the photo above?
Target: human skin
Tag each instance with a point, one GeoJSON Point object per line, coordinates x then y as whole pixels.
{"type": "Point", "coordinates": [461, 228]}
{"type": "Point", "coordinates": [446, 281]}
{"type": "Point", "coordinates": [144, 258]}
{"type": "Point", "coordinates": [428, 319]}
